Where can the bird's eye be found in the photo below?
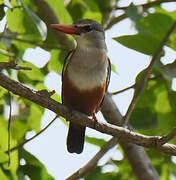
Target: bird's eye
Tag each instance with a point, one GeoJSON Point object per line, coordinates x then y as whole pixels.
{"type": "Point", "coordinates": [87, 28]}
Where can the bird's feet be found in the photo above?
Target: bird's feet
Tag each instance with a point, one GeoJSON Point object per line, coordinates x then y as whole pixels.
{"type": "Point", "coordinates": [94, 119]}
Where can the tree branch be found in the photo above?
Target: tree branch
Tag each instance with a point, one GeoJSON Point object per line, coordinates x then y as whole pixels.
{"type": "Point", "coordinates": [6, 53]}
{"type": "Point", "coordinates": [136, 155]}
{"type": "Point", "coordinates": [117, 19]}
{"type": "Point", "coordinates": [93, 162]}
{"type": "Point", "coordinates": [9, 127]}
{"type": "Point", "coordinates": [144, 79]}
{"type": "Point", "coordinates": [31, 138]}
{"type": "Point", "coordinates": [125, 89]}
{"type": "Point", "coordinates": [37, 43]}
{"type": "Point", "coordinates": [123, 134]}
{"type": "Point", "coordinates": [146, 5]}
{"type": "Point", "coordinates": [12, 65]}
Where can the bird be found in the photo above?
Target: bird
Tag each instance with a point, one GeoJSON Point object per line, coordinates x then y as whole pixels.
{"type": "Point", "coordinates": [85, 75]}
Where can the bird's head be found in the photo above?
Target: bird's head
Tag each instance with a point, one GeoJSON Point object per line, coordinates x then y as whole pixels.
{"type": "Point", "coordinates": [85, 31]}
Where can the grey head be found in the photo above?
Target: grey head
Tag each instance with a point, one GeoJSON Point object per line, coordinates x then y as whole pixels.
{"type": "Point", "coordinates": [90, 33]}
{"type": "Point", "coordinates": [87, 25]}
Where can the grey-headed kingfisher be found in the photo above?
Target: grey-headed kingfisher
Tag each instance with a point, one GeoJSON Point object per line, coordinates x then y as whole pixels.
{"type": "Point", "coordinates": [85, 76]}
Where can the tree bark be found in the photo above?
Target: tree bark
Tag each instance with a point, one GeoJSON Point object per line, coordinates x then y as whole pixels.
{"type": "Point", "coordinates": [136, 155]}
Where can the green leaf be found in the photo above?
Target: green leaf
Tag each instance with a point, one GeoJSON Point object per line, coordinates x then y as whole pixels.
{"type": "Point", "coordinates": [97, 174]}
{"type": "Point", "coordinates": [8, 3]}
{"type": "Point", "coordinates": [154, 112]}
{"type": "Point", "coordinates": [171, 68]}
{"type": "Point", "coordinates": [2, 13]}
{"type": "Point", "coordinates": [92, 11]}
{"type": "Point", "coordinates": [155, 25]}
{"type": "Point", "coordinates": [165, 172]}
{"type": "Point", "coordinates": [85, 9]}
{"type": "Point", "coordinates": [36, 113]}
{"type": "Point", "coordinates": [41, 26]}
{"type": "Point", "coordinates": [133, 12]}
{"type": "Point", "coordinates": [30, 75]}
{"type": "Point", "coordinates": [3, 175]}
{"type": "Point", "coordinates": [151, 31]}
{"type": "Point", "coordinates": [60, 11]}
{"type": "Point", "coordinates": [76, 9]}
{"type": "Point", "coordinates": [33, 167]}
{"type": "Point", "coordinates": [145, 109]}
{"type": "Point", "coordinates": [3, 157]}
{"type": "Point", "coordinates": [23, 25]}
{"type": "Point", "coordinates": [105, 7]}
{"type": "Point", "coordinates": [139, 42]}
{"type": "Point", "coordinates": [57, 60]}
{"type": "Point", "coordinates": [19, 127]}
{"type": "Point", "coordinates": [3, 144]}
{"type": "Point", "coordinates": [172, 99]}
{"type": "Point", "coordinates": [159, 9]}
{"type": "Point", "coordinates": [164, 70]}
{"type": "Point", "coordinates": [19, 48]}
{"type": "Point", "coordinates": [113, 68]}
{"type": "Point", "coordinates": [95, 141]}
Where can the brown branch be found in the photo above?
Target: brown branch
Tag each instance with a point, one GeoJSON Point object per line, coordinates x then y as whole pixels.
{"type": "Point", "coordinates": [31, 138]}
{"type": "Point", "coordinates": [144, 79]}
{"type": "Point", "coordinates": [93, 162]}
{"type": "Point", "coordinates": [117, 19]}
{"type": "Point", "coordinates": [109, 19]}
{"type": "Point", "coordinates": [6, 53]}
{"type": "Point", "coordinates": [37, 43]}
{"type": "Point", "coordinates": [9, 127]}
{"type": "Point", "coordinates": [12, 65]}
{"type": "Point", "coordinates": [168, 137]}
{"type": "Point", "coordinates": [146, 5]}
{"type": "Point", "coordinates": [125, 89]}
{"type": "Point", "coordinates": [135, 154]}
{"type": "Point", "coordinates": [123, 134]}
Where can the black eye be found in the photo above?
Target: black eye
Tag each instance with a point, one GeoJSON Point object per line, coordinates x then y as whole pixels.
{"type": "Point", "coordinates": [87, 28]}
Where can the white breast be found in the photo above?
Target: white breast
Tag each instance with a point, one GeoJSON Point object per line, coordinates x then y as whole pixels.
{"type": "Point", "coordinates": [88, 68]}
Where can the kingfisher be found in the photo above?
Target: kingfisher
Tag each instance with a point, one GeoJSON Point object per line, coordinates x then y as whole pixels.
{"type": "Point", "coordinates": [85, 76]}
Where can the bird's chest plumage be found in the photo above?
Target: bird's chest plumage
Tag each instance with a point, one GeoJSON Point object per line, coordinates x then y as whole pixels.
{"type": "Point", "coordinates": [84, 81]}
{"type": "Point", "coordinates": [88, 69]}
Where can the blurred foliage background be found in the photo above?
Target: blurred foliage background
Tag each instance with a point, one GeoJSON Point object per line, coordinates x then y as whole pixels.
{"type": "Point", "coordinates": [27, 25]}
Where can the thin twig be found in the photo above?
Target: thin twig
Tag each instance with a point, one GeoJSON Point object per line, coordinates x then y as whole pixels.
{"type": "Point", "coordinates": [31, 138]}
{"type": "Point", "coordinates": [109, 19]}
{"type": "Point", "coordinates": [93, 162]}
{"type": "Point", "coordinates": [9, 127]}
{"type": "Point", "coordinates": [117, 19]}
{"type": "Point", "coordinates": [125, 89]}
{"type": "Point", "coordinates": [22, 68]}
{"type": "Point", "coordinates": [167, 138]}
{"type": "Point", "coordinates": [146, 5]}
{"type": "Point", "coordinates": [37, 43]}
{"type": "Point", "coordinates": [12, 7]}
{"type": "Point", "coordinates": [12, 65]}
{"type": "Point", "coordinates": [143, 80]}
{"type": "Point", "coordinates": [6, 53]}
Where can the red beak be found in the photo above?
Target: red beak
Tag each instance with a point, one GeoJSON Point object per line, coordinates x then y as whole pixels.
{"type": "Point", "coordinates": [66, 28]}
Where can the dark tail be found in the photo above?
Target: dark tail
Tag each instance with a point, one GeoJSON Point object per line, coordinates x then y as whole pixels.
{"type": "Point", "coordinates": [75, 138]}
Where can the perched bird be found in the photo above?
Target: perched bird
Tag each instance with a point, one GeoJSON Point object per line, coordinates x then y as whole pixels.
{"type": "Point", "coordinates": [85, 76]}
